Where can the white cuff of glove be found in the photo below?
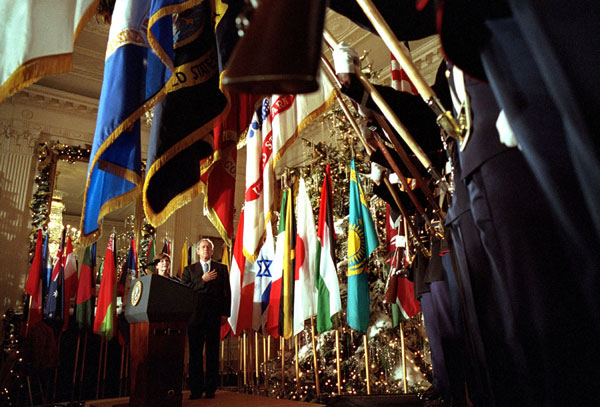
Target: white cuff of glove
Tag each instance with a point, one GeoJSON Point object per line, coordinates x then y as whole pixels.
{"type": "Point", "coordinates": [345, 58]}
{"type": "Point", "coordinates": [507, 136]}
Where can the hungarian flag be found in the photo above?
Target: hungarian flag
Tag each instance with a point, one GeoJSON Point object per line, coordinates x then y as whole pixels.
{"type": "Point", "coordinates": [33, 286]}
{"type": "Point", "coordinates": [263, 270]}
{"type": "Point", "coordinates": [306, 246]}
{"type": "Point", "coordinates": [326, 280]}
{"type": "Point", "coordinates": [104, 323]}
{"type": "Point", "coordinates": [241, 279]}
{"type": "Point", "coordinates": [362, 241]}
{"type": "Point", "coordinates": [84, 303]}
{"type": "Point", "coordinates": [286, 240]}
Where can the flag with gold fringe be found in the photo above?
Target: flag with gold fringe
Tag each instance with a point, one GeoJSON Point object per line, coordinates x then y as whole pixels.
{"type": "Point", "coordinates": [290, 114]}
{"type": "Point", "coordinates": [181, 135]}
{"type": "Point", "coordinates": [38, 38]}
{"type": "Point", "coordinates": [362, 241]}
{"type": "Point", "coordinates": [115, 168]}
{"type": "Point", "coordinates": [218, 173]}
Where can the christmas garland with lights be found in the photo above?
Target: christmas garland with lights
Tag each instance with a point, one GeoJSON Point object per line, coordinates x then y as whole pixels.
{"type": "Point", "coordinates": [48, 155]}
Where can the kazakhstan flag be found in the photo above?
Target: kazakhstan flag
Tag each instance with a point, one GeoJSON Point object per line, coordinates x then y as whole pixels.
{"type": "Point", "coordinates": [362, 241]}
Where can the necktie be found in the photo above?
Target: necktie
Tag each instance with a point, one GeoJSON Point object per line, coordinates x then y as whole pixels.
{"type": "Point", "coordinates": [205, 267]}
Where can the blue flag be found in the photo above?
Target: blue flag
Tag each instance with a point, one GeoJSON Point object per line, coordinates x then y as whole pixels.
{"type": "Point", "coordinates": [114, 172]}
{"type": "Point", "coordinates": [362, 241]}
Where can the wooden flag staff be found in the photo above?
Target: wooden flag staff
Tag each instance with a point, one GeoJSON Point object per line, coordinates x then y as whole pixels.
{"type": "Point", "coordinates": [333, 79]}
{"type": "Point", "coordinates": [315, 360]}
{"type": "Point", "coordinates": [404, 379]}
{"type": "Point", "coordinates": [444, 118]}
{"type": "Point", "coordinates": [337, 360]}
{"type": "Point", "coordinates": [297, 364]}
{"type": "Point", "coordinates": [367, 373]}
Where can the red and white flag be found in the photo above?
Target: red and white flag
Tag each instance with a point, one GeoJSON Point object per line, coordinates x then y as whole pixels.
{"type": "Point", "coordinates": [400, 80]}
{"type": "Point", "coordinates": [241, 279]}
{"type": "Point", "coordinates": [259, 180]}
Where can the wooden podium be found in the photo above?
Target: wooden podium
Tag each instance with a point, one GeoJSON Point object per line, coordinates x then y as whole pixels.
{"type": "Point", "coordinates": [157, 309]}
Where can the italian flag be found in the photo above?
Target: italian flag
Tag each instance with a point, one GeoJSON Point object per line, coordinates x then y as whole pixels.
{"type": "Point", "coordinates": [326, 280]}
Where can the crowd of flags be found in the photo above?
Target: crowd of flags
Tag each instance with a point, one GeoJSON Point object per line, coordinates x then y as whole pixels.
{"type": "Point", "coordinates": [167, 56]}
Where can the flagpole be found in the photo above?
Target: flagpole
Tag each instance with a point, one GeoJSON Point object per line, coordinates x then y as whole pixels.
{"type": "Point", "coordinates": [392, 118]}
{"type": "Point", "coordinates": [315, 360]}
{"type": "Point", "coordinates": [127, 355]}
{"type": "Point", "coordinates": [264, 342]}
{"type": "Point", "coordinates": [75, 365]}
{"type": "Point", "coordinates": [444, 118]}
{"type": "Point", "coordinates": [104, 369]}
{"type": "Point", "coordinates": [337, 360]}
{"type": "Point", "coordinates": [282, 347]}
{"type": "Point", "coordinates": [404, 379]}
{"type": "Point", "coordinates": [99, 367]}
{"type": "Point", "coordinates": [297, 365]}
{"type": "Point", "coordinates": [367, 374]}
{"type": "Point", "coordinates": [245, 370]}
{"type": "Point", "coordinates": [267, 357]}
{"type": "Point", "coordinates": [333, 79]}
{"type": "Point", "coordinates": [256, 360]}
{"type": "Point", "coordinates": [222, 361]}
{"type": "Point", "coordinates": [85, 339]}
{"type": "Point", "coordinates": [121, 370]}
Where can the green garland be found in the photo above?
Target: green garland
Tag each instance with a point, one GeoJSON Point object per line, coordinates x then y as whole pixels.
{"type": "Point", "coordinates": [48, 154]}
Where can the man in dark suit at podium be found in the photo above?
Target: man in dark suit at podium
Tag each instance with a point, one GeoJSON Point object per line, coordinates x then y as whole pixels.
{"type": "Point", "coordinates": [212, 300]}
